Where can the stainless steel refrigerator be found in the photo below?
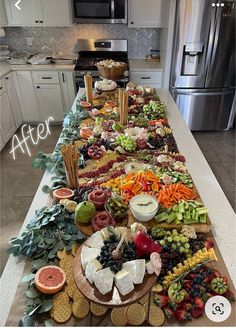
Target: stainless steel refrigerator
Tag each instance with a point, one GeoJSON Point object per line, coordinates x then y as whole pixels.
{"type": "Point", "coordinates": [202, 79]}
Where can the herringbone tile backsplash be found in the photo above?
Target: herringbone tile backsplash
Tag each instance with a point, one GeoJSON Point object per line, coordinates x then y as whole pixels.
{"type": "Point", "coordinates": [54, 39]}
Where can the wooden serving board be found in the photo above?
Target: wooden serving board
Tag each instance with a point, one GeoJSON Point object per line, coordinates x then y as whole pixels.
{"type": "Point", "coordinates": [92, 293]}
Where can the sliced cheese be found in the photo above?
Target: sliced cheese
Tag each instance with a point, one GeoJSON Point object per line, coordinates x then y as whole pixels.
{"type": "Point", "coordinates": [103, 280]}
{"type": "Point", "coordinates": [149, 267]}
{"type": "Point", "coordinates": [137, 270]}
{"type": "Point", "coordinates": [92, 267]}
{"type": "Point", "coordinates": [107, 232]}
{"type": "Point", "coordinates": [88, 254]}
{"type": "Point", "coordinates": [124, 282]}
{"type": "Point", "coordinates": [116, 296]}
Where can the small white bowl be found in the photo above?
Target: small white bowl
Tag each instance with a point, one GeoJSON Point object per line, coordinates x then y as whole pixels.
{"type": "Point", "coordinates": [138, 214]}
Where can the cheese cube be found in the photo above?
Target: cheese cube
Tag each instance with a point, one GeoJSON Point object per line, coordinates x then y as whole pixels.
{"type": "Point", "coordinates": [92, 267]}
{"type": "Point", "coordinates": [124, 282]}
{"type": "Point", "coordinates": [136, 269]}
{"type": "Point", "coordinates": [103, 280]}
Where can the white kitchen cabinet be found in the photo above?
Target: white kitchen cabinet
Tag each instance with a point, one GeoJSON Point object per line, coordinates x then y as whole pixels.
{"type": "Point", "coordinates": [11, 91]}
{"type": "Point", "coordinates": [145, 13]}
{"type": "Point", "coordinates": [55, 12]}
{"type": "Point", "coordinates": [147, 78]}
{"type": "Point", "coordinates": [26, 95]}
{"type": "Point", "coordinates": [39, 13]}
{"type": "Point", "coordinates": [3, 17]}
{"type": "Point", "coordinates": [67, 89]}
{"type": "Point", "coordinates": [25, 16]}
{"type": "Point", "coordinates": [49, 101]}
{"type": "Point", "coordinates": [7, 122]}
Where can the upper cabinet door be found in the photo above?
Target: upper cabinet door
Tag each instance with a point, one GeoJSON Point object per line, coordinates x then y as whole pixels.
{"type": "Point", "coordinates": [25, 16]}
{"type": "Point", "coordinates": [3, 17]}
{"type": "Point", "coordinates": [145, 13]}
{"type": "Point", "coordinates": [55, 12]}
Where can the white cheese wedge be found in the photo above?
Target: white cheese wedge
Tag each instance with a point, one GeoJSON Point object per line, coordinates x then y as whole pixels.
{"type": "Point", "coordinates": [107, 232]}
{"type": "Point", "coordinates": [149, 267]}
{"type": "Point", "coordinates": [92, 267]}
{"type": "Point", "coordinates": [124, 282]}
{"type": "Point", "coordinates": [88, 254]}
{"type": "Point", "coordinates": [103, 280]}
{"type": "Point", "coordinates": [137, 270]}
{"type": "Point", "coordinates": [96, 240]}
{"type": "Point", "coordinates": [116, 296]}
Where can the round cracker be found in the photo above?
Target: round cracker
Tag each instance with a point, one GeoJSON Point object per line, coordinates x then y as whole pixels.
{"type": "Point", "coordinates": [118, 316]}
{"type": "Point", "coordinates": [70, 289]}
{"type": "Point", "coordinates": [61, 313]}
{"type": "Point", "coordinates": [62, 253]}
{"type": "Point", "coordinates": [77, 294]}
{"type": "Point", "coordinates": [61, 297]}
{"type": "Point", "coordinates": [156, 316]}
{"type": "Point", "coordinates": [80, 308]}
{"type": "Point", "coordinates": [146, 309]}
{"type": "Point", "coordinates": [135, 314]}
{"type": "Point", "coordinates": [144, 299]}
{"type": "Point", "coordinates": [74, 249]}
{"type": "Point", "coordinates": [97, 309]}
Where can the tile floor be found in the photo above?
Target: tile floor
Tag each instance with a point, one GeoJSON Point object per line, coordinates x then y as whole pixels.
{"type": "Point", "coordinates": [19, 181]}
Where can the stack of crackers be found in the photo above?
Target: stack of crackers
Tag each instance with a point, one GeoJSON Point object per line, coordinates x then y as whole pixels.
{"type": "Point", "coordinates": [71, 301]}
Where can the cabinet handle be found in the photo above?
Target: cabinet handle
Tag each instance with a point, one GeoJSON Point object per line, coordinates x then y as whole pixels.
{"type": "Point", "coordinates": [63, 77]}
{"type": "Point", "coordinates": [41, 22]}
{"type": "Point", "coordinates": [38, 87]}
{"type": "Point", "coordinates": [46, 77]}
{"type": "Point", "coordinates": [36, 21]}
{"type": "Point", "coordinates": [1, 88]}
{"type": "Point", "coordinates": [131, 22]}
{"type": "Point", "coordinates": [7, 78]}
{"type": "Point", "coordinates": [145, 78]}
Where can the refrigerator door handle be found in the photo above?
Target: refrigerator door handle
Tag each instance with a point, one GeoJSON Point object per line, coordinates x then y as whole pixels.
{"type": "Point", "coordinates": [210, 42]}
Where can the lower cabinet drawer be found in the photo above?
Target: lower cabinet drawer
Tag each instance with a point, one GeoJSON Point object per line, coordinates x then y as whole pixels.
{"type": "Point", "coordinates": [146, 77]}
{"type": "Point", "coordinates": [45, 77]}
{"type": "Point", "coordinates": [3, 87]}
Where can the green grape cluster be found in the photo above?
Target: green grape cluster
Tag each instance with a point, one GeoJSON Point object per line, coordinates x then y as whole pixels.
{"type": "Point", "coordinates": [126, 142]}
{"type": "Point", "coordinates": [154, 110]}
{"type": "Point", "coordinates": [176, 241]}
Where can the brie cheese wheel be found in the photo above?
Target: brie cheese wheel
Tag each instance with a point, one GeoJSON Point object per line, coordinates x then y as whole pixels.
{"type": "Point", "coordinates": [103, 280]}
{"type": "Point", "coordinates": [124, 282]}
{"type": "Point", "coordinates": [92, 267]}
{"type": "Point", "coordinates": [149, 267]}
{"type": "Point", "coordinates": [88, 254]}
{"type": "Point", "coordinates": [137, 270]}
{"type": "Point", "coordinates": [95, 240]}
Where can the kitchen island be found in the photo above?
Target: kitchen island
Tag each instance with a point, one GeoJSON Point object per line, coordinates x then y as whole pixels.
{"type": "Point", "coordinates": [220, 212]}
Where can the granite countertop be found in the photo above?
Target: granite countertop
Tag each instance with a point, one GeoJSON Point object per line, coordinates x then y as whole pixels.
{"type": "Point", "coordinates": [145, 65]}
{"type": "Point", "coordinates": [220, 211]}
{"type": "Point", "coordinates": [5, 68]}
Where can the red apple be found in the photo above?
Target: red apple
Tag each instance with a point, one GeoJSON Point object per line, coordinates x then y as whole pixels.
{"type": "Point", "coordinates": [145, 245]}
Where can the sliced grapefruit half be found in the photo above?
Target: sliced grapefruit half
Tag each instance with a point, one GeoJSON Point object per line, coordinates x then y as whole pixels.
{"type": "Point", "coordinates": [85, 104]}
{"type": "Point", "coordinates": [50, 279]}
{"type": "Point", "coordinates": [62, 193]}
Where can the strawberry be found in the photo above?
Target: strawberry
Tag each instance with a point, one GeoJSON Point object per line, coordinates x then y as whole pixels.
{"type": "Point", "coordinates": [225, 280]}
{"type": "Point", "coordinates": [196, 313]}
{"type": "Point", "coordinates": [188, 285]}
{"type": "Point", "coordinates": [186, 306]}
{"type": "Point", "coordinates": [229, 295]}
{"type": "Point", "coordinates": [168, 312]}
{"type": "Point", "coordinates": [182, 315]}
{"type": "Point", "coordinates": [192, 275]}
{"type": "Point", "coordinates": [208, 243]}
{"type": "Point", "coordinates": [206, 280]}
{"type": "Point", "coordinates": [161, 300]}
{"type": "Point", "coordinates": [187, 298]}
{"type": "Point", "coordinates": [199, 303]}
{"type": "Point", "coordinates": [214, 274]}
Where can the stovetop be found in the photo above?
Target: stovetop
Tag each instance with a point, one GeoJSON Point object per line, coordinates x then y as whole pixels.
{"type": "Point", "coordinates": [87, 60]}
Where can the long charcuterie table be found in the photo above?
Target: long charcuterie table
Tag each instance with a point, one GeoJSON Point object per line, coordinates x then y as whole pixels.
{"type": "Point", "coordinates": [131, 226]}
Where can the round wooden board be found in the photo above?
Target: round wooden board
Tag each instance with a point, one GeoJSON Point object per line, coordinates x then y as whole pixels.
{"type": "Point", "coordinates": [92, 293]}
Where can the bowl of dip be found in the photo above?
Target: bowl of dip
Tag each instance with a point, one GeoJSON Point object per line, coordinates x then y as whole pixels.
{"type": "Point", "coordinates": [143, 207]}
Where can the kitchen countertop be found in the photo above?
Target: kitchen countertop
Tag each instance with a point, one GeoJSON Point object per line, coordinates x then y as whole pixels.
{"type": "Point", "coordinates": [141, 65]}
{"type": "Point", "coordinates": [5, 68]}
{"type": "Point", "coordinates": [220, 211]}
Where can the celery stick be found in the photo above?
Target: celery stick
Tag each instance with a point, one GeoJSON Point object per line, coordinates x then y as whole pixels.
{"type": "Point", "coordinates": [181, 208]}
{"type": "Point", "coordinates": [202, 210]}
{"type": "Point", "coordinates": [203, 218]}
{"type": "Point", "coordinates": [161, 217]}
{"type": "Point", "coordinates": [179, 216]}
{"type": "Point", "coordinates": [172, 217]}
